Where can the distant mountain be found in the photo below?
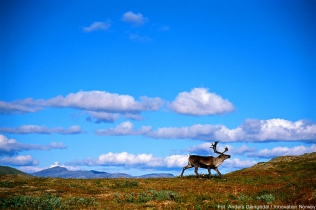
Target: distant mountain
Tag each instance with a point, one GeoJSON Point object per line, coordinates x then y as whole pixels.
{"type": "Point", "coordinates": [6, 170]}
{"type": "Point", "coordinates": [62, 172]}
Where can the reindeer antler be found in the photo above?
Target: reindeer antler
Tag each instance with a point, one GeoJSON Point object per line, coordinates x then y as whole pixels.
{"type": "Point", "coordinates": [214, 147]}
{"type": "Point", "coordinates": [226, 149]}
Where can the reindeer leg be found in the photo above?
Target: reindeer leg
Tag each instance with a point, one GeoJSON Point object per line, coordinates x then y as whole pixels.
{"type": "Point", "coordinates": [184, 168]}
{"type": "Point", "coordinates": [209, 171]}
{"type": "Point", "coordinates": [219, 173]}
{"type": "Point", "coordinates": [196, 171]}
{"type": "Point", "coordinates": [182, 171]}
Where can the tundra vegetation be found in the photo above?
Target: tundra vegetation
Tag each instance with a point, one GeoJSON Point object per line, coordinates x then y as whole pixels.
{"type": "Point", "coordinates": [287, 180]}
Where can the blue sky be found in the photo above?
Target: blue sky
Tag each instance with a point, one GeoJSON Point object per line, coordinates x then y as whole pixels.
{"type": "Point", "coordinates": [134, 87]}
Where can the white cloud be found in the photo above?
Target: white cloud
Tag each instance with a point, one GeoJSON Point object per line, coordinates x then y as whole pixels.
{"type": "Point", "coordinates": [105, 117]}
{"type": "Point", "coordinates": [237, 163]}
{"type": "Point", "coordinates": [95, 102]}
{"type": "Point", "coordinates": [11, 147]}
{"type": "Point", "coordinates": [97, 26]}
{"type": "Point", "coordinates": [282, 151]}
{"type": "Point", "coordinates": [75, 129]}
{"type": "Point", "coordinates": [137, 161]}
{"type": "Point", "coordinates": [241, 150]}
{"type": "Point", "coordinates": [16, 108]}
{"type": "Point", "coordinates": [175, 161]}
{"type": "Point", "coordinates": [278, 129]}
{"type": "Point", "coordinates": [200, 102]}
{"type": "Point", "coordinates": [21, 160]}
{"type": "Point", "coordinates": [125, 128]}
{"type": "Point", "coordinates": [249, 131]}
{"type": "Point", "coordinates": [104, 101]}
{"type": "Point", "coordinates": [31, 129]}
{"type": "Point", "coordinates": [56, 145]}
{"type": "Point", "coordinates": [126, 159]}
{"type": "Point", "coordinates": [197, 131]}
{"type": "Point", "coordinates": [70, 168]}
{"type": "Point", "coordinates": [132, 116]}
{"type": "Point", "coordinates": [204, 148]}
{"type": "Point", "coordinates": [134, 19]}
{"type": "Point", "coordinates": [201, 148]}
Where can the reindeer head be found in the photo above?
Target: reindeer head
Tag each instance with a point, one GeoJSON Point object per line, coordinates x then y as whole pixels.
{"type": "Point", "coordinates": [221, 154]}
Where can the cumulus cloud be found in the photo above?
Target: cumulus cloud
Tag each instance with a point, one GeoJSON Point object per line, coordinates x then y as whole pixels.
{"type": "Point", "coordinates": [278, 129]}
{"type": "Point", "coordinates": [132, 116]}
{"type": "Point", "coordinates": [95, 26]}
{"type": "Point", "coordinates": [10, 147]}
{"type": "Point", "coordinates": [234, 163]}
{"type": "Point", "coordinates": [104, 101]}
{"type": "Point", "coordinates": [21, 160]}
{"type": "Point", "coordinates": [125, 128]}
{"type": "Point", "coordinates": [142, 160]}
{"type": "Point", "coordinates": [32, 129]}
{"type": "Point", "coordinates": [241, 150]}
{"type": "Point", "coordinates": [134, 161]}
{"type": "Point", "coordinates": [75, 129]}
{"type": "Point", "coordinates": [56, 145]}
{"type": "Point", "coordinates": [252, 130]}
{"type": "Point", "coordinates": [16, 108]}
{"type": "Point", "coordinates": [201, 148]}
{"type": "Point", "coordinates": [282, 151]}
{"type": "Point", "coordinates": [127, 159]}
{"type": "Point", "coordinates": [105, 117]}
{"type": "Point", "coordinates": [70, 168]}
{"type": "Point", "coordinates": [108, 102]}
{"type": "Point", "coordinates": [204, 148]}
{"type": "Point", "coordinates": [200, 102]}
{"type": "Point", "coordinates": [90, 101]}
{"type": "Point", "coordinates": [176, 161]}
{"type": "Point", "coordinates": [198, 131]}
{"type": "Point", "coordinates": [134, 19]}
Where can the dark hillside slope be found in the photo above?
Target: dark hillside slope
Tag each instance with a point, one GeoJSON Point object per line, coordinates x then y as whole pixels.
{"type": "Point", "coordinates": [6, 170]}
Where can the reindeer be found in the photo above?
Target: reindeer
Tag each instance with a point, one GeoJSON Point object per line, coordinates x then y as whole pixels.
{"type": "Point", "coordinates": [208, 162]}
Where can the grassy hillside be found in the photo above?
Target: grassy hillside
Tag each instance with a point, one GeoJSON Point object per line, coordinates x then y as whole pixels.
{"type": "Point", "coordinates": [4, 170]}
{"type": "Point", "coordinates": [281, 181]}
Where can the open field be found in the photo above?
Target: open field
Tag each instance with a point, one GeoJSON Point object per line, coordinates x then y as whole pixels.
{"type": "Point", "coordinates": [281, 181]}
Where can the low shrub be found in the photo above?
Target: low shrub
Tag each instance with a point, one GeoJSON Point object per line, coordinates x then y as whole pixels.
{"type": "Point", "coordinates": [146, 196]}
{"type": "Point", "coordinates": [45, 202]}
{"type": "Point", "coordinates": [268, 198]}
